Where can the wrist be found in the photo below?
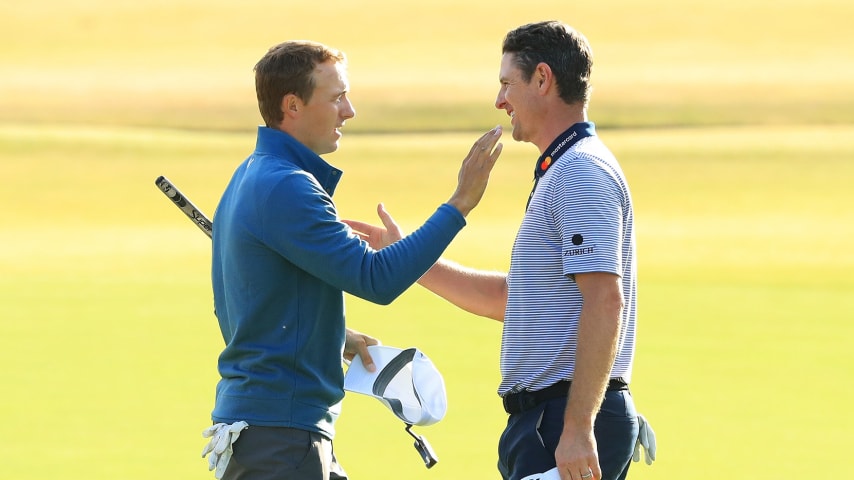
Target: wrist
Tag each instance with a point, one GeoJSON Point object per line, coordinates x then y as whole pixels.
{"type": "Point", "coordinates": [460, 206]}
{"type": "Point", "coordinates": [571, 423]}
{"type": "Point", "coordinates": [575, 420]}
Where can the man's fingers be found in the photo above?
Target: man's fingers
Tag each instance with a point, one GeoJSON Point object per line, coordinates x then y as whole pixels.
{"type": "Point", "coordinates": [488, 141]}
{"type": "Point", "coordinates": [492, 138]}
{"type": "Point", "coordinates": [496, 153]}
{"type": "Point", "coordinates": [484, 153]}
{"type": "Point", "coordinates": [485, 143]}
{"type": "Point", "coordinates": [359, 228]}
{"type": "Point", "coordinates": [362, 235]}
{"type": "Point", "coordinates": [365, 355]}
{"type": "Point", "coordinates": [367, 361]}
{"type": "Point", "coordinates": [386, 218]}
{"type": "Point", "coordinates": [357, 344]}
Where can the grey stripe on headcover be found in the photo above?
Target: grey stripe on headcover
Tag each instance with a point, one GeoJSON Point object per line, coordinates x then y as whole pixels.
{"type": "Point", "coordinates": [387, 375]}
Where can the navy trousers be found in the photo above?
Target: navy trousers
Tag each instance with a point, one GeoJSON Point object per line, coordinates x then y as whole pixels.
{"type": "Point", "coordinates": [528, 443]}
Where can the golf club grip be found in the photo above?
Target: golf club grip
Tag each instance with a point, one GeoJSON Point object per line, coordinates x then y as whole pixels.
{"type": "Point", "coordinates": [186, 206]}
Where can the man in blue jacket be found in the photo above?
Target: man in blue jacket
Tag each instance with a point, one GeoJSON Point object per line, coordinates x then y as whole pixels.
{"type": "Point", "coordinates": [282, 261]}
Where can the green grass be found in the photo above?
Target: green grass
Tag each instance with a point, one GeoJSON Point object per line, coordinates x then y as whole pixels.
{"type": "Point", "coordinates": [745, 298]}
{"type": "Point", "coordinates": [734, 127]}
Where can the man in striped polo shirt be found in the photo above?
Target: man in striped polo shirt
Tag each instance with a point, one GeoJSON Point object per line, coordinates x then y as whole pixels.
{"type": "Point", "coordinates": [568, 302]}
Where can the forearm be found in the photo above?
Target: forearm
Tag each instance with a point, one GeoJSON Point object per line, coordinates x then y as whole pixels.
{"type": "Point", "coordinates": [388, 272]}
{"type": "Point", "coordinates": [595, 353]}
{"type": "Point", "coordinates": [598, 333]}
{"type": "Point", "coordinates": [479, 292]}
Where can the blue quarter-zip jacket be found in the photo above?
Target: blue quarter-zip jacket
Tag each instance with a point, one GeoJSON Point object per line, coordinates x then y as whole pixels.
{"type": "Point", "coordinates": [281, 262]}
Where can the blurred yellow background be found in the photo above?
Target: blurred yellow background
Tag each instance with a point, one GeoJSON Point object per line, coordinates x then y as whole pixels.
{"type": "Point", "coordinates": [189, 63]}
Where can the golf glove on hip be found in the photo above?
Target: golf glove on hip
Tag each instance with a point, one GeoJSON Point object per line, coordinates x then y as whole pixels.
{"type": "Point", "coordinates": [646, 441]}
{"type": "Point", "coordinates": [222, 437]}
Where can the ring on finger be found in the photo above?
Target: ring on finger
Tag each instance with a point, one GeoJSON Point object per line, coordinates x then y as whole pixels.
{"type": "Point", "coordinates": [588, 474]}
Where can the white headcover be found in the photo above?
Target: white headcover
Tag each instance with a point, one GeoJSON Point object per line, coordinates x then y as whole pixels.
{"type": "Point", "coordinates": [406, 381]}
{"type": "Point", "coordinates": [547, 475]}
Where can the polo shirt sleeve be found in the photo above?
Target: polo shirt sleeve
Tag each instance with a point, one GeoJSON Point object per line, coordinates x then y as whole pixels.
{"type": "Point", "coordinates": [302, 224]}
{"type": "Point", "coordinates": [588, 212]}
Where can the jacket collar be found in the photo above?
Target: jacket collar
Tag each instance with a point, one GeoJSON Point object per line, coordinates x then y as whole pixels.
{"type": "Point", "coordinates": [276, 142]}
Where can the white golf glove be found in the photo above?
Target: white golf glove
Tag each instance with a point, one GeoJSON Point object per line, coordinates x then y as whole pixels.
{"type": "Point", "coordinates": [222, 437]}
{"type": "Point", "coordinates": [646, 440]}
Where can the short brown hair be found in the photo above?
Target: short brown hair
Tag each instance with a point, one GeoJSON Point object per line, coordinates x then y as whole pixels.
{"type": "Point", "coordinates": [564, 49]}
{"type": "Point", "coordinates": [288, 68]}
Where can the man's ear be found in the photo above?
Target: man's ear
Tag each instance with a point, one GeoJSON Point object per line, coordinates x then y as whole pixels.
{"type": "Point", "coordinates": [543, 76]}
{"type": "Point", "coordinates": [291, 105]}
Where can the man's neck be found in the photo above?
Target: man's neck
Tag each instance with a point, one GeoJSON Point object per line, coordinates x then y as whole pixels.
{"type": "Point", "coordinates": [557, 122]}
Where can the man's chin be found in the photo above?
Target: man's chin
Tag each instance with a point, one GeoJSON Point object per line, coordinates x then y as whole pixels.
{"type": "Point", "coordinates": [329, 148]}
